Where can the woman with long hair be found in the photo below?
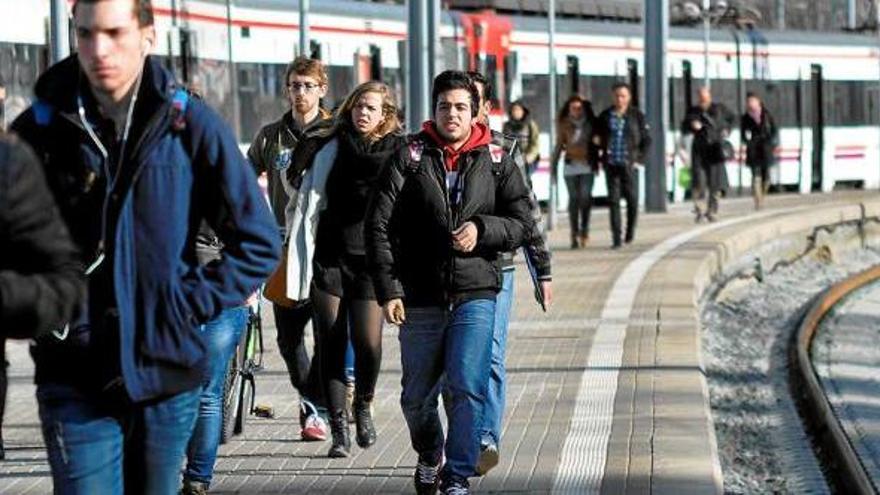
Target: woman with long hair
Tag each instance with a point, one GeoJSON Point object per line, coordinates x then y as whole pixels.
{"type": "Point", "coordinates": [345, 306]}
{"type": "Point", "coordinates": [574, 137]}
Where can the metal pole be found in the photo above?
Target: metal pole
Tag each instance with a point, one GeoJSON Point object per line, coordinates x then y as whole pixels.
{"type": "Point", "coordinates": [707, 26]}
{"type": "Point", "coordinates": [780, 14]}
{"type": "Point", "coordinates": [233, 73]}
{"type": "Point", "coordinates": [656, 93]}
{"type": "Point", "coordinates": [418, 82]}
{"type": "Point", "coordinates": [851, 14]}
{"type": "Point", "coordinates": [554, 167]}
{"type": "Point", "coordinates": [434, 51]}
{"type": "Point", "coordinates": [60, 30]}
{"type": "Point", "coordinates": [304, 28]}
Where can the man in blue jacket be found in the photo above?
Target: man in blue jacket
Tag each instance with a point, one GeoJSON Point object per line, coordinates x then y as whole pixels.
{"type": "Point", "coordinates": [135, 166]}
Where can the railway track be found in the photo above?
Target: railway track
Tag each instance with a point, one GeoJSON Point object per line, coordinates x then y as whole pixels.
{"type": "Point", "coordinates": [844, 468]}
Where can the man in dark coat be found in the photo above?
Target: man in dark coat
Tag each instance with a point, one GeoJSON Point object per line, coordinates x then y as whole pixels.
{"type": "Point", "coordinates": [443, 210]}
{"type": "Point", "coordinates": [41, 280]}
{"type": "Point", "coordinates": [710, 123]}
{"type": "Point", "coordinates": [136, 165]}
{"type": "Point", "coordinates": [622, 135]}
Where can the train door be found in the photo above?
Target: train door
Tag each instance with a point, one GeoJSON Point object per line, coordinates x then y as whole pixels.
{"type": "Point", "coordinates": [817, 123]}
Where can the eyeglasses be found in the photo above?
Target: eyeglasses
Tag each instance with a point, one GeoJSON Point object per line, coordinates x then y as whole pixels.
{"type": "Point", "coordinates": [296, 87]}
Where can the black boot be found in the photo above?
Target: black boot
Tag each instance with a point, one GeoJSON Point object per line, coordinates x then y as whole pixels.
{"type": "Point", "coordinates": [366, 430]}
{"type": "Point", "coordinates": [341, 436]}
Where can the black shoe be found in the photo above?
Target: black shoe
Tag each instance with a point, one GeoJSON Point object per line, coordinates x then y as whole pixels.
{"type": "Point", "coordinates": [365, 429]}
{"type": "Point", "coordinates": [456, 486]}
{"type": "Point", "coordinates": [2, 451]}
{"type": "Point", "coordinates": [341, 436]}
{"type": "Point", "coordinates": [629, 238]}
{"type": "Point", "coordinates": [616, 245]}
{"type": "Point", "coordinates": [574, 242]}
{"type": "Point", "coordinates": [426, 478]}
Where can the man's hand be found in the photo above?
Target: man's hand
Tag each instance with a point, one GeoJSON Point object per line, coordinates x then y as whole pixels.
{"type": "Point", "coordinates": [464, 238]}
{"type": "Point", "coordinates": [547, 288]}
{"type": "Point", "coordinates": [394, 312]}
{"type": "Point", "coordinates": [696, 125]}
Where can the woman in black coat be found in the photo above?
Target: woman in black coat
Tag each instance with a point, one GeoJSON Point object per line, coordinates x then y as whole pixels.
{"type": "Point", "coordinates": [344, 300]}
{"type": "Point", "coordinates": [761, 138]}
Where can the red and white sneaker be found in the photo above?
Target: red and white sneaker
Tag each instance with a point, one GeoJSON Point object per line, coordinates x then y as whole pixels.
{"type": "Point", "coordinates": [314, 428]}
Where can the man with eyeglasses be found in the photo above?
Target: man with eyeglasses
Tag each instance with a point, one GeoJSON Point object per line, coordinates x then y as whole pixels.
{"type": "Point", "coordinates": [279, 150]}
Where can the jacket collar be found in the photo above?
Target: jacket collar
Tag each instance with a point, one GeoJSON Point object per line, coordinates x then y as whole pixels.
{"type": "Point", "coordinates": [64, 81]}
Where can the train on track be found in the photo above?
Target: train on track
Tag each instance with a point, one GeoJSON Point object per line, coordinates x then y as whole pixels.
{"type": "Point", "coordinates": [823, 88]}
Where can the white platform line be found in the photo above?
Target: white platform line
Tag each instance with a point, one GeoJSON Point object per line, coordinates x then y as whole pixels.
{"type": "Point", "coordinates": [584, 454]}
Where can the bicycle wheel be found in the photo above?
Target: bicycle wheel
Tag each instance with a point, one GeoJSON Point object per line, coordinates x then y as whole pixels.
{"type": "Point", "coordinates": [232, 394]}
{"type": "Point", "coordinates": [246, 397]}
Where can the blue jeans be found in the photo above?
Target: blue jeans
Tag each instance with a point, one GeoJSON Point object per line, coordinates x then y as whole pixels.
{"type": "Point", "coordinates": [493, 413]}
{"type": "Point", "coordinates": [221, 336]}
{"type": "Point", "coordinates": [456, 344]}
{"type": "Point", "coordinates": [100, 444]}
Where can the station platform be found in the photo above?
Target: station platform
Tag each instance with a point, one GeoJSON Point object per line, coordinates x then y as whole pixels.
{"type": "Point", "coordinates": [606, 392]}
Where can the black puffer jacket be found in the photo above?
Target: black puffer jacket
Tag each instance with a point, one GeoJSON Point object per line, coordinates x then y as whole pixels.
{"type": "Point", "coordinates": [349, 187]}
{"type": "Point", "coordinates": [41, 279]}
{"type": "Point", "coordinates": [409, 221]}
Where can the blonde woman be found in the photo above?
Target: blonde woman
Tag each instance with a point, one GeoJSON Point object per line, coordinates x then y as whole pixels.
{"type": "Point", "coordinates": [342, 293]}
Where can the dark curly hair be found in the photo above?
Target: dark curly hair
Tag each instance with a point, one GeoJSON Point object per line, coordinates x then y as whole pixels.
{"type": "Point", "coordinates": [455, 79]}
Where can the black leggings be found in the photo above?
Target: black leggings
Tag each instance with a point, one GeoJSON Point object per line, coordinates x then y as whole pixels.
{"type": "Point", "coordinates": [580, 200]}
{"type": "Point", "coordinates": [334, 316]}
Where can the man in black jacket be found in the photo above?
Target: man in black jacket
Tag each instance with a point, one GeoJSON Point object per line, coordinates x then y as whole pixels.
{"type": "Point", "coordinates": [442, 211]}
{"type": "Point", "coordinates": [538, 258]}
{"type": "Point", "coordinates": [710, 123]}
{"type": "Point", "coordinates": [41, 281]}
{"type": "Point", "coordinates": [622, 136]}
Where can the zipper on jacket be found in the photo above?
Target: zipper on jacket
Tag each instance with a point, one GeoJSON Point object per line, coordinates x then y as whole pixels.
{"type": "Point", "coordinates": [449, 223]}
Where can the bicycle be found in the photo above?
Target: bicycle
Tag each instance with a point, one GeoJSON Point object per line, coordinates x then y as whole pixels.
{"type": "Point", "coordinates": [240, 389]}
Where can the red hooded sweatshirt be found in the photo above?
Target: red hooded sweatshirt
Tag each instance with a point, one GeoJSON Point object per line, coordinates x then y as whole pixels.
{"type": "Point", "coordinates": [480, 136]}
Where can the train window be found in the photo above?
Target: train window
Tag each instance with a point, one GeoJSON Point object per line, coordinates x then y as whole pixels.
{"type": "Point", "coordinates": [496, 79]}
{"type": "Point", "coordinates": [245, 31]}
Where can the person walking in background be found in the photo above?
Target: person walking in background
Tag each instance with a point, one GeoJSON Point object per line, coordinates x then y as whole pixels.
{"type": "Point", "coordinates": [539, 257]}
{"type": "Point", "coordinates": [761, 139]}
{"type": "Point", "coordinates": [135, 166]}
{"type": "Point", "coordinates": [622, 136]}
{"type": "Point", "coordinates": [41, 279]}
{"type": "Point", "coordinates": [342, 294]}
{"type": "Point", "coordinates": [444, 207]}
{"type": "Point", "coordinates": [521, 126]}
{"type": "Point", "coordinates": [221, 336]}
{"type": "Point", "coordinates": [574, 126]}
{"type": "Point", "coordinates": [288, 146]}
{"type": "Point", "coordinates": [710, 123]}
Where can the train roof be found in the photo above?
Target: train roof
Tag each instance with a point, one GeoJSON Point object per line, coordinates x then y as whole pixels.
{"type": "Point", "coordinates": [567, 25]}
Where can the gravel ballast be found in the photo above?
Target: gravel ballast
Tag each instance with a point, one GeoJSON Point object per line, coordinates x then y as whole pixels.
{"type": "Point", "coordinates": [746, 327]}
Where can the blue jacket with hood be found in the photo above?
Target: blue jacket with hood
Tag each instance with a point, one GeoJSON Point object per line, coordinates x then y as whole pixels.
{"type": "Point", "coordinates": [179, 168]}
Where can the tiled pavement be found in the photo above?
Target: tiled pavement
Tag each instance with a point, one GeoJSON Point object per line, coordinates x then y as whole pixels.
{"type": "Point", "coordinates": [547, 356]}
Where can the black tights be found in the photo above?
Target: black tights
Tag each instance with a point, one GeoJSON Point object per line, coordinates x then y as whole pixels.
{"type": "Point", "coordinates": [334, 317]}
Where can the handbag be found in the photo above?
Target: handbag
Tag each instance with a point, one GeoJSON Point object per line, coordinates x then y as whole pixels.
{"type": "Point", "coordinates": [275, 289]}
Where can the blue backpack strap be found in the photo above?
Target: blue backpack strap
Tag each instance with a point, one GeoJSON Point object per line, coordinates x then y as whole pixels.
{"type": "Point", "coordinates": [43, 112]}
{"type": "Point", "coordinates": [179, 103]}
